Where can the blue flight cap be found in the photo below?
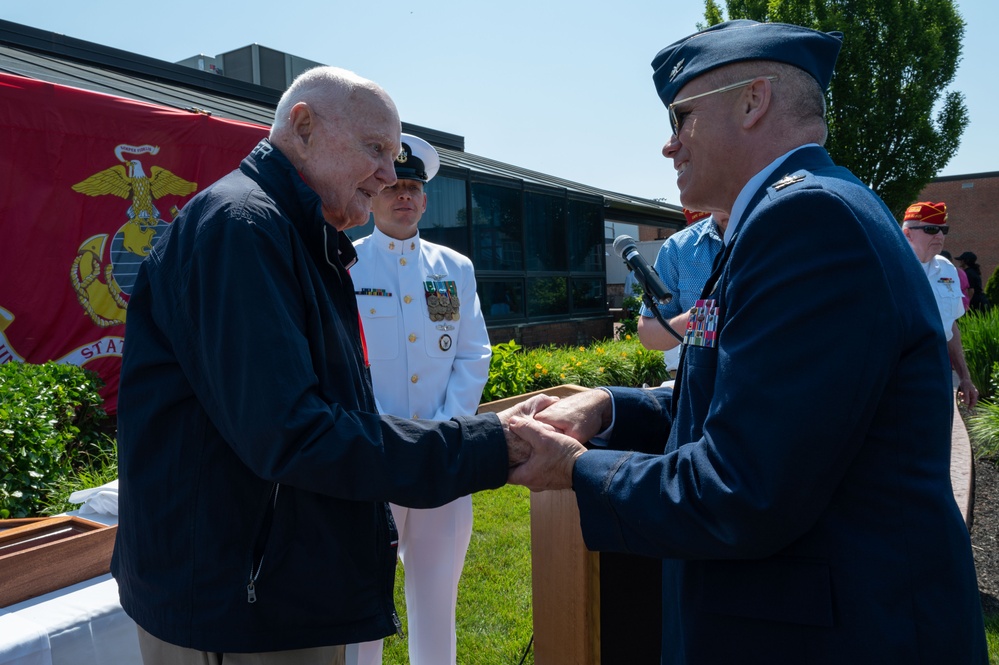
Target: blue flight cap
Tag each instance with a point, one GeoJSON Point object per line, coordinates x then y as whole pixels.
{"type": "Point", "coordinates": [737, 41]}
{"type": "Point", "coordinates": [418, 160]}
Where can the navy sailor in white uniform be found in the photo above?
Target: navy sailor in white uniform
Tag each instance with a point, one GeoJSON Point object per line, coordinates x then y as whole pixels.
{"type": "Point", "coordinates": [429, 354]}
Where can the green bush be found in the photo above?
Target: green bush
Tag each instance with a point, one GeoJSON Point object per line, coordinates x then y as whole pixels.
{"type": "Point", "coordinates": [51, 420]}
{"type": "Point", "coordinates": [91, 470]}
{"type": "Point", "coordinates": [632, 307]}
{"type": "Point", "coordinates": [992, 288]}
{"type": "Point", "coordinates": [508, 375]}
{"type": "Point", "coordinates": [983, 423]}
{"type": "Point", "coordinates": [980, 339]}
{"type": "Point", "coordinates": [515, 370]}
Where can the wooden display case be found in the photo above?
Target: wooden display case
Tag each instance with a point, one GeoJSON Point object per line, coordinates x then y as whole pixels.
{"type": "Point", "coordinates": [39, 555]}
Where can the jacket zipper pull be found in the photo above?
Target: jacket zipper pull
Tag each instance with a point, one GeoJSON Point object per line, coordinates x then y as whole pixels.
{"type": "Point", "coordinates": [251, 593]}
{"type": "Point", "coordinates": [398, 624]}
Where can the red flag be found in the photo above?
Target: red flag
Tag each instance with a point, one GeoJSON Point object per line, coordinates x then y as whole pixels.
{"type": "Point", "coordinates": [87, 183]}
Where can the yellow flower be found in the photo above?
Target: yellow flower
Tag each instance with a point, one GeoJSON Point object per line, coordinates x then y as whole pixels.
{"type": "Point", "coordinates": [627, 337]}
{"type": "Point", "coordinates": [582, 348]}
{"type": "Point", "coordinates": [601, 370]}
{"type": "Point", "coordinates": [544, 371]}
{"type": "Point", "coordinates": [537, 366]}
{"type": "Point", "coordinates": [624, 354]}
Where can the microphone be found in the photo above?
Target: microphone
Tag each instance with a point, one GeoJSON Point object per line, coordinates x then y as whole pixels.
{"type": "Point", "coordinates": [626, 248]}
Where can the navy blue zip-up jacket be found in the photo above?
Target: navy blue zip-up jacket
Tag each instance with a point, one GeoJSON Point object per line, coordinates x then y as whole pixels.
{"type": "Point", "coordinates": [253, 469]}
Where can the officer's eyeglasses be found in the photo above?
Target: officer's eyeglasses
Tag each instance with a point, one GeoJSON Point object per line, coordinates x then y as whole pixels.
{"type": "Point", "coordinates": [676, 119]}
{"type": "Point", "coordinates": [931, 230]}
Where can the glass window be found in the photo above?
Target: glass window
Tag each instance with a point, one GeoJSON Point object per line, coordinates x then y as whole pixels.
{"type": "Point", "coordinates": [586, 241]}
{"type": "Point", "coordinates": [547, 296]}
{"type": "Point", "coordinates": [614, 229]}
{"type": "Point", "coordinates": [545, 239]}
{"type": "Point", "coordinates": [588, 293]}
{"type": "Point", "coordinates": [444, 221]}
{"type": "Point", "coordinates": [497, 228]}
{"type": "Point", "coordinates": [501, 298]}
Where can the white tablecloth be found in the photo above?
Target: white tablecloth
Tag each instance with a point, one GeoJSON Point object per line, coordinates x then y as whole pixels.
{"type": "Point", "coordinates": [82, 624]}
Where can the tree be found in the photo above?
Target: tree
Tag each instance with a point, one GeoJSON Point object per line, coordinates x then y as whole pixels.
{"type": "Point", "coordinates": [898, 58]}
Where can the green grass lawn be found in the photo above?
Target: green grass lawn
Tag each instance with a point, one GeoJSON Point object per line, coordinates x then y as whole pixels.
{"type": "Point", "coordinates": [992, 636]}
{"type": "Point", "coordinates": [494, 620]}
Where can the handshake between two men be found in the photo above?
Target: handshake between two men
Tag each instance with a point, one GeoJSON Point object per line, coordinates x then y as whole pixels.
{"type": "Point", "coordinates": [545, 435]}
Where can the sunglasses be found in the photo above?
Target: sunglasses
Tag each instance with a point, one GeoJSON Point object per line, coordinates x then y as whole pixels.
{"type": "Point", "coordinates": [676, 119]}
{"type": "Point", "coordinates": [931, 230]}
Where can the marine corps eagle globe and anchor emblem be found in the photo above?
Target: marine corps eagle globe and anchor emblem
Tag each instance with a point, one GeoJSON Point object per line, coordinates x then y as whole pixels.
{"type": "Point", "coordinates": [106, 301]}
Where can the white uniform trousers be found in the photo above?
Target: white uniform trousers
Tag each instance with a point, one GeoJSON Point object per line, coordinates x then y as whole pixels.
{"type": "Point", "coordinates": [432, 547]}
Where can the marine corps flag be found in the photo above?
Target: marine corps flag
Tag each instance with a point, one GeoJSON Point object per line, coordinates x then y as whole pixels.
{"type": "Point", "coordinates": [87, 183]}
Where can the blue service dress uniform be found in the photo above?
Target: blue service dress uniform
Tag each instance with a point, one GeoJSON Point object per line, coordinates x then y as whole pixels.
{"type": "Point", "coordinates": [802, 502]}
{"type": "Point", "coordinates": [429, 353]}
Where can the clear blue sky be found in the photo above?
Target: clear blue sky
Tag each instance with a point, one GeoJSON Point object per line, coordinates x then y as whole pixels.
{"type": "Point", "coordinates": [564, 88]}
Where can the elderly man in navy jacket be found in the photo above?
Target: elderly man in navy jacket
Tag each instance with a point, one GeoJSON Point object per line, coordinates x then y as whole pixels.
{"type": "Point", "coordinates": [254, 468]}
{"type": "Point", "coordinates": [796, 483]}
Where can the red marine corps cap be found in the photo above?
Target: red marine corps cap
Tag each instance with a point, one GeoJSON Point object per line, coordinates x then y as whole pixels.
{"type": "Point", "coordinates": [693, 216]}
{"type": "Point", "coordinates": [927, 213]}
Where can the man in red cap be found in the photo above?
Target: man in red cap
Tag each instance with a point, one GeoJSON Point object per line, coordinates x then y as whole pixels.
{"type": "Point", "coordinates": [924, 226]}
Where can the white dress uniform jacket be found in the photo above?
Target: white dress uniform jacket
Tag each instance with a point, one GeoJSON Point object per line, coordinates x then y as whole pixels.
{"type": "Point", "coordinates": [420, 368]}
{"type": "Point", "coordinates": [947, 291]}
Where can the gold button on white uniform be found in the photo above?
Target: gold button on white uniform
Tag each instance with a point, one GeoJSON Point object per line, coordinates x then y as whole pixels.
{"type": "Point", "coordinates": [372, 310]}
{"type": "Point", "coordinates": [414, 378]}
{"type": "Point", "coordinates": [391, 245]}
{"type": "Point", "coordinates": [408, 299]}
{"type": "Point", "coordinates": [412, 337]}
{"type": "Point", "coordinates": [402, 262]}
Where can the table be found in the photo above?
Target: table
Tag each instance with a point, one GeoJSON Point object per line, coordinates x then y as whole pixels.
{"type": "Point", "coordinates": [82, 624]}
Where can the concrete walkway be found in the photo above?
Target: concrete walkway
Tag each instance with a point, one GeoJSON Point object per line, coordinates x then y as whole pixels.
{"type": "Point", "coordinates": [962, 468]}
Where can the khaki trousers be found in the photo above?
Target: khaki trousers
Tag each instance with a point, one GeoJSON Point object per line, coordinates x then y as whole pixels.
{"type": "Point", "coordinates": [157, 652]}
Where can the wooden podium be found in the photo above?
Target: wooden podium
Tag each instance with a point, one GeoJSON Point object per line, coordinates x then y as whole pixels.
{"type": "Point", "coordinates": [590, 608]}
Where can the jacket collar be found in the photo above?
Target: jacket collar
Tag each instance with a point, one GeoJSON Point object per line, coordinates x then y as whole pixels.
{"type": "Point", "coordinates": [808, 157]}
{"type": "Point", "coordinates": [274, 173]}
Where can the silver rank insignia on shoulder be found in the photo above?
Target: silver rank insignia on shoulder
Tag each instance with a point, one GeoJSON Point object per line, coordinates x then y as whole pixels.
{"type": "Point", "coordinates": [787, 181]}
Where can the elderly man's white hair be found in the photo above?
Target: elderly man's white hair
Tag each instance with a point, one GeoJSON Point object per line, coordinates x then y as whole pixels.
{"type": "Point", "coordinates": [327, 87]}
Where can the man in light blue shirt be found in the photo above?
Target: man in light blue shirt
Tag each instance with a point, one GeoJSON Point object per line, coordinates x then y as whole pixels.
{"type": "Point", "coordinates": [684, 264]}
